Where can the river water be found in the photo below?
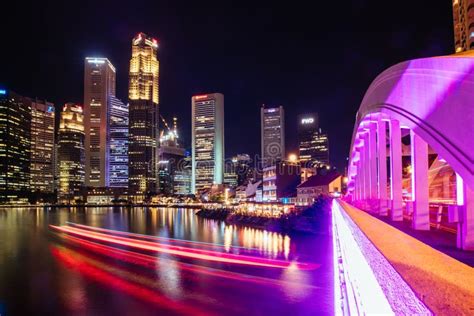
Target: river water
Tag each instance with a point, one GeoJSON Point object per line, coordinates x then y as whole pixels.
{"type": "Point", "coordinates": [46, 272]}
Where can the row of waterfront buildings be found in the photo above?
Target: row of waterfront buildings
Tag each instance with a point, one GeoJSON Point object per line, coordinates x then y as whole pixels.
{"type": "Point", "coordinates": [118, 150]}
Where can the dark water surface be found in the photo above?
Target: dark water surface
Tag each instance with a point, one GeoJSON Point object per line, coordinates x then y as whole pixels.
{"type": "Point", "coordinates": [49, 273]}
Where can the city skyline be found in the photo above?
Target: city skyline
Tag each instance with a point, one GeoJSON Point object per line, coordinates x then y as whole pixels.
{"type": "Point", "coordinates": [232, 158]}
{"type": "Point", "coordinates": [256, 76]}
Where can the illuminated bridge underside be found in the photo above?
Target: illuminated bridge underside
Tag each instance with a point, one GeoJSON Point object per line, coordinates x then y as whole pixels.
{"type": "Point", "coordinates": [433, 98]}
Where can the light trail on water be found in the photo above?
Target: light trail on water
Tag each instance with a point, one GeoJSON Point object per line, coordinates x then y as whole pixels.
{"type": "Point", "coordinates": [186, 251]}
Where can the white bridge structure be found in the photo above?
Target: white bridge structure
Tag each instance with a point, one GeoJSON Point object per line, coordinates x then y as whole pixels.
{"type": "Point", "coordinates": [432, 99]}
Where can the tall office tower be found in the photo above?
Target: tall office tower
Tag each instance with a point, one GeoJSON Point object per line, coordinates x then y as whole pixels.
{"type": "Point", "coordinates": [71, 155]}
{"type": "Point", "coordinates": [143, 95]}
{"type": "Point", "coordinates": [42, 146]}
{"type": "Point", "coordinates": [182, 176]}
{"type": "Point", "coordinates": [117, 172]}
{"type": "Point", "coordinates": [321, 146]}
{"type": "Point", "coordinates": [463, 18]}
{"type": "Point", "coordinates": [170, 156]}
{"type": "Point", "coordinates": [99, 84]}
{"type": "Point", "coordinates": [273, 134]}
{"type": "Point", "coordinates": [15, 120]}
{"type": "Point", "coordinates": [207, 141]}
{"type": "Point", "coordinates": [308, 126]}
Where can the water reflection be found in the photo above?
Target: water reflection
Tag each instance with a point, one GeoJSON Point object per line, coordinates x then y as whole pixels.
{"type": "Point", "coordinates": [82, 275]}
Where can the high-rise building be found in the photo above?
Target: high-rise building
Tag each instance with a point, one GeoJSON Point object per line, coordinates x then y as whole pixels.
{"type": "Point", "coordinates": [463, 16]}
{"type": "Point", "coordinates": [117, 171]}
{"type": "Point", "coordinates": [143, 95]}
{"type": "Point", "coordinates": [42, 146]}
{"type": "Point", "coordinates": [15, 148]}
{"type": "Point", "coordinates": [99, 84]}
{"type": "Point", "coordinates": [308, 127]}
{"type": "Point", "coordinates": [272, 134]}
{"type": "Point", "coordinates": [207, 141]}
{"type": "Point", "coordinates": [170, 156]}
{"type": "Point", "coordinates": [71, 155]}
{"type": "Point", "coordinates": [182, 176]}
{"type": "Point", "coordinates": [321, 146]}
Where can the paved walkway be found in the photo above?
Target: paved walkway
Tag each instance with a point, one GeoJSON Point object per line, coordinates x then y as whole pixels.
{"type": "Point", "coordinates": [440, 240]}
{"type": "Point", "coordinates": [443, 283]}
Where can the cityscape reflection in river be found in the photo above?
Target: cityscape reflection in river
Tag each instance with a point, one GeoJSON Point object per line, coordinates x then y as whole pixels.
{"type": "Point", "coordinates": [73, 275]}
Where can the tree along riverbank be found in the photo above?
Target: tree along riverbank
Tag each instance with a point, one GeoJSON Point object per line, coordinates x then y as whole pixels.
{"type": "Point", "coordinates": [304, 221]}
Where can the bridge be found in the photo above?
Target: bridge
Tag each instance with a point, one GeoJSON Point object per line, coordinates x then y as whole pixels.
{"type": "Point", "coordinates": [414, 111]}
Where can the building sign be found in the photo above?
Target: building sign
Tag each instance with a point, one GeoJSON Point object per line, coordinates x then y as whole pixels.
{"type": "Point", "coordinates": [309, 120]}
{"type": "Point", "coordinates": [200, 97]}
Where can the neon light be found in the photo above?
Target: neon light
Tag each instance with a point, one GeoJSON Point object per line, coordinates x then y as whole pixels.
{"type": "Point", "coordinates": [200, 97]}
{"type": "Point", "coordinates": [369, 279]}
{"type": "Point", "coordinates": [150, 261]}
{"type": "Point", "coordinates": [184, 251]}
{"type": "Point", "coordinates": [307, 120]}
{"type": "Point", "coordinates": [156, 238]}
{"type": "Point", "coordinates": [364, 294]}
{"type": "Point", "coordinates": [3, 91]}
{"type": "Point", "coordinates": [74, 261]}
{"type": "Point", "coordinates": [459, 190]}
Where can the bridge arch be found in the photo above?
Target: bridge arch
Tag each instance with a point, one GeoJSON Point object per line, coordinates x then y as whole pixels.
{"type": "Point", "coordinates": [433, 99]}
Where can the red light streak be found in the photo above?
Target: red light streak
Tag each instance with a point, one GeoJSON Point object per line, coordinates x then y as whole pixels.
{"type": "Point", "coordinates": [154, 238]}
{"type": "Point", "coordinates": [127, 287]}
{"type": "Point", "coordinates": [185, 251]}
{"type": "Point", "coordinates": [147, 261]}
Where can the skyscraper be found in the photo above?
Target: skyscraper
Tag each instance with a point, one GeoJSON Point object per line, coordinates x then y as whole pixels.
{"type": "Point", "coordinates": [42, 146]}
{"type": "Point", "coordinates": [15, 120]}
{"type": "Point", "coordinates": [117, 172]}
{"type": "Point", "coordinates": [321, 147]}
{"type": "Point", "coordinates": [182, 176]}
{"type": "Point", "coordinates": [170, 156]}
{"type": "Point", "coordinates": [463, 16]}
{"type": "Point", "coordinates": [99, 84]}
{"type": "Point", "coordinates": [272, 134]}
{"type": "Point", "coordinates": [207, 141]}
{"type": "Point", "coordinates": [308, 125]}
{"type": "Point", "coordinates": [71, 155]}
{"type": "Point", "coordinates": [143, 95]}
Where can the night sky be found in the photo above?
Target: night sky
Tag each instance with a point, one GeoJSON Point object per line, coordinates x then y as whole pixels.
{"type": "Point", "coordinates": [315, 58]}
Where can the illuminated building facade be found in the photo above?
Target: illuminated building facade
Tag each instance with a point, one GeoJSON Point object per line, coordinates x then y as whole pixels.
{"type": "Point", "coordinates": [321, 147]}
{"type": "Point", "coordinates": [170, 156]}
{"type": "Point", "coordinates": [43, 142]}
{"type": "Point", "coordinates": [99, 84]}
{"type": "Point", "coordinates": [207, 141]}
{"type": "Point", "coordinates": [71, 155]}
{"type": "Point", "coordinates": [117, 141]}
{"type": "Point", "coordinates": [243, 166]}
{"type": "Point", "coordinates": [308, 125]}
{"type": "Point", "coordinates": [182, 176]}
{"type": "Point", "coordinates": [280, 181]}
{"type": "Point", "coordinates": [463, 18]}
{"type": "Point", "coordinates": [15, 152]}
{"type": "Point", "coordinates": [143, 95]}
{"type": "Point", "coordinates": [272, 134]}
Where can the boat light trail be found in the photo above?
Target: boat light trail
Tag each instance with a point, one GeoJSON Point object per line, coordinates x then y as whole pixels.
{"type": "Point", "coordinates": [151, 261]}
{"type": "Point", "coordinates": [185, 251]}
{"type": "Point", "coordinates": [157, 238]}
{"type": "Point", "coordinates": [73, 261]}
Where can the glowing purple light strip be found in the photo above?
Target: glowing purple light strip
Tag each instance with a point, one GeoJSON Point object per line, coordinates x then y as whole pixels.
{"type": "Point", "coordinates": [369, 281]}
